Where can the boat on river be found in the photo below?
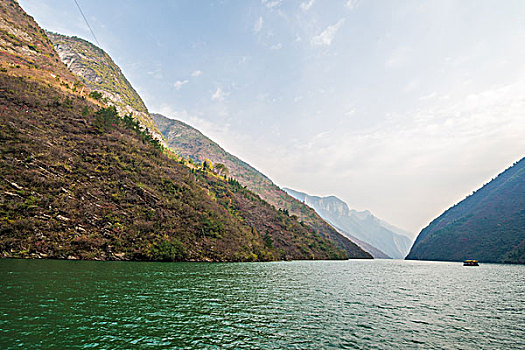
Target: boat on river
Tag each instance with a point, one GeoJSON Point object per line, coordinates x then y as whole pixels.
{"type": "Point", "coordinates": [470, 263]}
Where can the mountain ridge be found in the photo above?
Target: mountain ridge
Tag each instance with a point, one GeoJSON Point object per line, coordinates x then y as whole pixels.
{"type": "Point", "coordinates": [488, 225]}
{"type": "Point", "coordinates": [100, 73]}
{"type": "Point", "coordinates": [359, 224]}
{"type": "Point", "coordinates": [189, 142]}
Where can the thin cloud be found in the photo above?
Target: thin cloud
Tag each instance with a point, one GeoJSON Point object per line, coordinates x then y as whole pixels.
{"type": "Point", "coordinates": [305, 6]}
{"type": "Point", "coordinates": [196, 73]}
{"type": "Point", "coordinates": [219, 95]}
{"type": "Point", "coordinates": [399, 58]}
{"type": "Point", "coordinates": [327, 36]}
{"type": "Point", "coordinates": [178, 84]}
{"type": "Point", "coordinates": [271, 4]}
{"type": "Point", "coordinates": [351, 4]}
{"type": "Point", "coordinates": [258, 25]}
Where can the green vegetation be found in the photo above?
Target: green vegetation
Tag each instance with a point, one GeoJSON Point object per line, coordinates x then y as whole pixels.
{"type": "Point", "coordinates": [108, 118]}
{"type": "Point", "coordinates": [100, 73]}
{"type": "Point", "coordinates": [96, 95]}
{"type": "Point", "coordinates": [488, 225]}
{"type": "Point", "coordinates": [78, 181]}
{"type": "Point", "coordinates": [221, 170]}
{"type": "Point", "coordinates": [190, 144]}
{"type": "Point", "coordinates": [82, 182]}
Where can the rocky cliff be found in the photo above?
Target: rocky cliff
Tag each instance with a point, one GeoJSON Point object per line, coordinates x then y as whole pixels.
{"type": "Point", "coordinates": [78, 181]}
{"type": "Point", "coordinates": [100, 73]}
{"type": "Point", "coordinates": [383, 239]}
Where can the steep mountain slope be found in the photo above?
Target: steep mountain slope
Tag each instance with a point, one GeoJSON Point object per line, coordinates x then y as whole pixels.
{"type": "Point", "coordinates": [100, 73]}
{"type": "Point", "coordinates": [25, 50]}
{"type": "Point", "coordinates": [78, 181]}
{"type": "Point", "coordinates": [376, 253]}
{"type": "Point", "coordinates": [189, 142]}
{"type": "Point", "coordinates": [77, 186]}
{"type": "Point", "coordinates": [186, 141]}
{"type": "Point", "coordinates": [488, 225]}
{"type": "Point", "coordinates": [362, 225]}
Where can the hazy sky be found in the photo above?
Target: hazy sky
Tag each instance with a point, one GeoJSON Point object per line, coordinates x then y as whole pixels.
{"type": "Point", "coordinates": [399, 107]}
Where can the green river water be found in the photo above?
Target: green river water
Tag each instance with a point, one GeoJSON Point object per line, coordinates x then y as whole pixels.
{"type": "Point", "coordinates": [355, 304]}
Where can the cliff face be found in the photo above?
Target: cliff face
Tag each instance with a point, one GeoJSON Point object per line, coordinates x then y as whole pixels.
{"type": "Point", "coordinates": [488, 225]}
{"type": "Point", "coordinates": [380, 238]}
{"type": "Point", "coordinates": [332, 205]}
{"type": "Point", "coordinates": [186, 141]}
{"type": "Point", "coordinates": [98, 71]}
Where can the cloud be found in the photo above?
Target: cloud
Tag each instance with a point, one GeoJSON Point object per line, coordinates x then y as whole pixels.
{"type": "Point", "coordinates": [271, 3]}
{"type": "Point", "coordinates": [441, 151]}
{"type": "Point", "coordinates": [351, 4]}
{"type": "Point", "coordinates": [400, 57]}
{"type": "Point", "coordinates": [156, 72]}
{"type": "Point", "coordinates": [276, 46]}
{"type": "Point", "coordinates": [305, 6]}
{"type": "Point", "coordinates": [327, 36]}
{"type": "Point", "coordinates": [178, 84]}
{"type": "Point", "coordinates": [196, 73]}
{"type": "Point", "coordinates": [258, 25]}
{"type": "Point", "coordinates": [167, 111]}
{"type": "Point", "coordinates": [350, 112]}
{"type": "Point", "coordinates": [219, 95]}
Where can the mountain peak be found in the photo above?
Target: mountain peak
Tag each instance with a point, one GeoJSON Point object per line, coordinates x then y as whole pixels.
{"type": "Point", "coordinates": [100, 73]}
{"type": "Point", "coordinates": [83, 182]}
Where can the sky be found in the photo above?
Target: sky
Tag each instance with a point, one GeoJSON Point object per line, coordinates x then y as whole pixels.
{"type": "Point", "coordinates": [402, 108]}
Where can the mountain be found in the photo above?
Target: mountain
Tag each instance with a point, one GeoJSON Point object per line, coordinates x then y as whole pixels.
{"type": "Point", "coordinates": [78, 181]}
{"type": "Point", "coordinates": [25, 51]}
{"type": "Point", "coordinates": [376, 253]}
{"type": "Point", "coordinates": [188, 142]}
{"type": "Point", "coordinates": [488, 225]}
{"type": "Point", "coordinates": [385, 238]}
{"type": "Point", "coordinates": [100, 73]}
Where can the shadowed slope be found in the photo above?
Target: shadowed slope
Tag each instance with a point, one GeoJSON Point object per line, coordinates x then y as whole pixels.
{"type": "Point", "coordinates": [488, 225]}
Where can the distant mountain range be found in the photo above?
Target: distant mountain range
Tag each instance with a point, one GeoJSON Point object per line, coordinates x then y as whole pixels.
{"type": "Point", "coordinates": [388, 240]}
{"type": "Point", "coordinates": [488, 225]}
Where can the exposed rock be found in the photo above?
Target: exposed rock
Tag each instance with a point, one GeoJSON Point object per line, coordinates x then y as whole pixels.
{"type": "Point", "coordinates": [362, 225]}
{"type": "Point", "coordinates": [187, 141]}
{"type": "Point", "coordinates": [62, 218]}
{"type": "Point", "coordinates": [100, 73]}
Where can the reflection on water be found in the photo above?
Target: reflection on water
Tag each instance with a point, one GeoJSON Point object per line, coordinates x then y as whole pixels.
{"type": "Point", "coordinates": [292, 305]}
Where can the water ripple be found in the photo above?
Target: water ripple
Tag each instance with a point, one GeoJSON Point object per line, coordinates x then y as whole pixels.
{"type": "Point", "coordinates": [288, 305]}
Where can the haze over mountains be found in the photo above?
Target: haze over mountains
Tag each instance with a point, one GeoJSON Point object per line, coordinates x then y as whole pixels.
{"type": "Point", "coordinates": [364, 226]}
{"type": "Point", "coordinates": [488, 225]}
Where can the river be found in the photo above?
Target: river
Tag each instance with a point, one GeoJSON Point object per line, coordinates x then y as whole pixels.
{"type": "Point", "coordinates": [354, 304]}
